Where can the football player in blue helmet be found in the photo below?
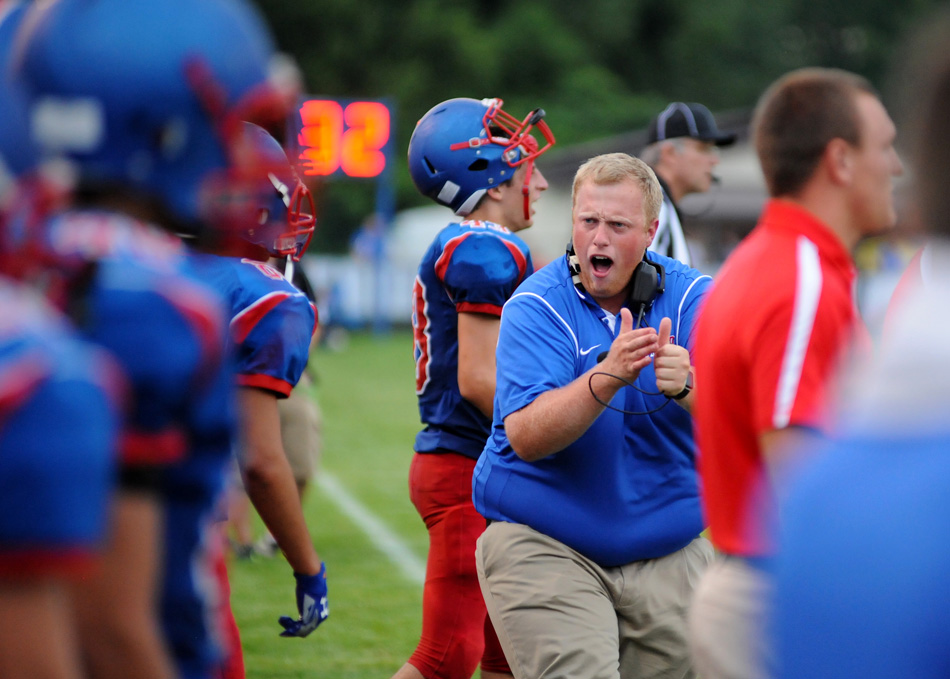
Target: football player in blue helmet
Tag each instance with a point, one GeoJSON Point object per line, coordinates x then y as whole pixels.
{"type": "Point", "coordinates": [474, 158]}
{"type": "Point", "coordinates": [463, 147]}
{"type": "Point", "coordinates": [55, 481]}
{"type": "Point", "coordinates": [272, 324]}
{"type": "Point", "coordinates": [285, 209]}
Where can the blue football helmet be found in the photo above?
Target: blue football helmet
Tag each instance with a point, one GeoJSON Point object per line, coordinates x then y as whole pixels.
{"type": "Point", "coordinates": [463, 147]}
{"type": "Point", "coordinates": [18, 154]}
{"type": "Point", "coordinates": [148, 96]}
{"type": "Point", "coordinates": [283, 206]}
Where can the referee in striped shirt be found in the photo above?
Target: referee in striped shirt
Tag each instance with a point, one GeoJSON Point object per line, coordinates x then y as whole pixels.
{"type": "Point", "coordinates": [682, 149]}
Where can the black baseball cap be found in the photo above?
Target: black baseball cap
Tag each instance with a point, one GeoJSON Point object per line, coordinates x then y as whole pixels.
{"type": "Point", "coordinates": [687, 120]}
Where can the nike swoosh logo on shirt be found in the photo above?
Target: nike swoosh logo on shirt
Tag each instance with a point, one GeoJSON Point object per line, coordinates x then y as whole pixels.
{"type": "Point", "coordinates": [584, 352]}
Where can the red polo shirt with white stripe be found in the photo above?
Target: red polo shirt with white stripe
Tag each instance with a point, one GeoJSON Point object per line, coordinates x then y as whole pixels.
{"type": "Point", "coordinates": [775, 327]}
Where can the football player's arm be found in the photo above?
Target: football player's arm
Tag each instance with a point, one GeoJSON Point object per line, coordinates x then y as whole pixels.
{"type": "Point", "coordinates": [478, 336]}
{"type": "Point", "coordinates": [116, 611]}
{"type": "Point", "coordinates": [36, 631]}
{"type": "Point", "coordinates": [269, 480]}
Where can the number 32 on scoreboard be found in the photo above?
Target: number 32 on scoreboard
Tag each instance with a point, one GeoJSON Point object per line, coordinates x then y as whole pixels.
{"type": "Point", "coordinates": [350, 138]}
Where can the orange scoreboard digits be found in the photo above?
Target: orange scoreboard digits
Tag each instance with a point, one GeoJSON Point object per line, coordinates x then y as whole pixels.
{"type": "Point", "coordinates": [320, 136]}
{"type": "Point", "coordinates": [349, 137]}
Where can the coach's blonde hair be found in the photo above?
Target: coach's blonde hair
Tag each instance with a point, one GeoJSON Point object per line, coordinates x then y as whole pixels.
{"type": "Point", "coordinates": [613, 168]}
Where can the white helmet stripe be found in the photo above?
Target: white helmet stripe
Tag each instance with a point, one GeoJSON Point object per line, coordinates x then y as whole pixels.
{"type": "Point", "coordinates": [470, 204]}
{"type": "Point", "coordinates": [281, 187]}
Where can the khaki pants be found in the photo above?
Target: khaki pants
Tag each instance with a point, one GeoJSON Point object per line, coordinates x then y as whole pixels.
{"type": "Point", "coordinates": [729, 622]}
{"type": "Point", "coordinates": [559, 615]}
{"type": "Point", "coordinates": [300, 430]}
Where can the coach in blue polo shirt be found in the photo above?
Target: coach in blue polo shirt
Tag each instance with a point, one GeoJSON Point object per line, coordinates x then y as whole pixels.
{"type": "Point", "coordinates": [588, 478]}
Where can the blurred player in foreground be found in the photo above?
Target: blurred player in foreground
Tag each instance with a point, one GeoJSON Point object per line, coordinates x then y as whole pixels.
{"type": "Point", "coordinates": [861, 577]}
{"type": "Point", "coordinates": [86, 267]}
{"type": "Point", "coordinates": [778, 324]}
{"type": "Point", "coordinates": [150, 125]}
{"type": "Point", "coordinates": [58, 431]}
{"type": "Point", "coordinates": [473, 157]}
{"type": "Point", "coordinates": [59, 421]}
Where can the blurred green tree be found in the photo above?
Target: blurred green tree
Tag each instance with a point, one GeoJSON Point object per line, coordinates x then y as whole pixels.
{"type": "Point", "coordinates": [598, 67]}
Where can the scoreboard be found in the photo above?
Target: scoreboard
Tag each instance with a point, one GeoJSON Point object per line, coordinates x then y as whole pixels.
{"type": "Point", "coordinates": [347, 138]}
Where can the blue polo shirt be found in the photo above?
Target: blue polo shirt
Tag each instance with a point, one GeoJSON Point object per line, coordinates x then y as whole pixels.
{"type": "Point", "coordinates": [626, 489]}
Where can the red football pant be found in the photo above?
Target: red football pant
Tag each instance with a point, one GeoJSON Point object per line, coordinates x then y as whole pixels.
{"type": "Point", "coordinates": [456, 630]}
{"type": "Point", "coordinates": [232, 664]}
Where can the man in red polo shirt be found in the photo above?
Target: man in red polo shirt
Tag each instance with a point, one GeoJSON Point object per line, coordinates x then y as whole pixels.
{"type": "Point", "coordinates": [777, 324]}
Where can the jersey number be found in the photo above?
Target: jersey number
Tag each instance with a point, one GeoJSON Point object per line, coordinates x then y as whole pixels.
{"type": "Point", "coordinates": [265, 269]}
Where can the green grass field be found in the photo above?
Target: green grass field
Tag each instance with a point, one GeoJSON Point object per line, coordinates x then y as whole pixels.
{"type": "Point", "coordinates": [367, 397]}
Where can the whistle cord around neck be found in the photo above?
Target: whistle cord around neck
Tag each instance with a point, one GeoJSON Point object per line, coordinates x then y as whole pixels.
{"type": "Point", "coordinates": [590, 385]}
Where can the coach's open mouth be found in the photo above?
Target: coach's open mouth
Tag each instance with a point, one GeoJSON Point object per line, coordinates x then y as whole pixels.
{"type": "Point", "coordinates": [601, 264]}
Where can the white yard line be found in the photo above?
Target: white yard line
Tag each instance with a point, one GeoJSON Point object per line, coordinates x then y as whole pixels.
{"type": "Point", "coordinates": [378, 533]}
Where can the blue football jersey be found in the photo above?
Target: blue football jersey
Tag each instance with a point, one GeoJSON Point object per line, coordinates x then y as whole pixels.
{"type": "Point", "coordinates": [132, 290]}
{"type": "Point", "coordinates": [129, 290]}
{"type": "Point", "coordinates": [58, 429]}
{"type": "Point", "coordinates": [474, 267]}
{"type": "Point", "coordinates": [272, 322]}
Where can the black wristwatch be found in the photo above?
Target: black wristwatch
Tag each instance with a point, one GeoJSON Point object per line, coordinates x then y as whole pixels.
{"type": "Point", "coordinates": [688, 387]}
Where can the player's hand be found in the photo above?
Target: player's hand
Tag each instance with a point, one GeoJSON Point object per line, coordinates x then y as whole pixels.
{"type": "Point", "coordinates": [311, 604]}
{"type": "Point", "coordinates": [670, 362]}
{"type": "Point", "coordinates": [631, 350]}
